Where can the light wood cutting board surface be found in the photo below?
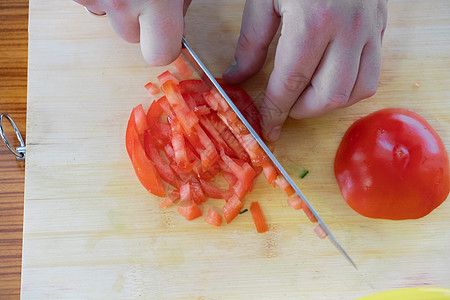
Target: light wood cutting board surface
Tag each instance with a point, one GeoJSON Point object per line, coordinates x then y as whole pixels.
{"type": "Point", "coordinates": [92, 232]}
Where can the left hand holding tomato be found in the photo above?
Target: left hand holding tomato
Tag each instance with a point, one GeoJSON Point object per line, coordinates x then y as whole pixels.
{"type": "Point", "coordinates": [328, 55]}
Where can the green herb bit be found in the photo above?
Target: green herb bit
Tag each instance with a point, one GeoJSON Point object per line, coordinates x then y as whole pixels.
{"type": "Point", "coordinates": [303, 173]}
{"type": "Point", "coordinates": [245, 210]}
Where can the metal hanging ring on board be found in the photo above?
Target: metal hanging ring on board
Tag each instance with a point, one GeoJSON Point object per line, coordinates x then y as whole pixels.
{"type": "Point", "coordinates": [19, 152]}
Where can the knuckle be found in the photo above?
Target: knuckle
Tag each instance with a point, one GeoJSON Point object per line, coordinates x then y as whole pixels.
{"type": "Point", "coordinates": [368, 91]}
{"type": "Point", "coordinates": [295, 82]}
{"type": "Point", "coordinates": [337, 100]}
{"type": "Point", "coordinates": [246, 43]}
{"type": "Point", "coordinates": [117, 5]}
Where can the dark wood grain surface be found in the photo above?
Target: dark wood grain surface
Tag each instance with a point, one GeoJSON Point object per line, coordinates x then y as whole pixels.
{"type": "Point", "coordinates": [13, 101]}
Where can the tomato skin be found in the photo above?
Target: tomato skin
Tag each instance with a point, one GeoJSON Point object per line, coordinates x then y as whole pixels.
{"type": "Point", "coordinates": [391, 164]}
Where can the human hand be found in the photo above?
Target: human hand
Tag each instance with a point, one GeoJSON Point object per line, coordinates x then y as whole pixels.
{"type": "Point", "coordinates": [157, 25]}
{"type": "Point", "coordinates": [328, 55]}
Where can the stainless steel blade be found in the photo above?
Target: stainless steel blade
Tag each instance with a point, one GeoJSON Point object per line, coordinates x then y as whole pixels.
{"type": "Point", "coordinates": [190, 56]}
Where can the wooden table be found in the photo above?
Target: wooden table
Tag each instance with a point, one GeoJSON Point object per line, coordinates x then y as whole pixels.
{"type": "Point", "coordinates": [13, 96]}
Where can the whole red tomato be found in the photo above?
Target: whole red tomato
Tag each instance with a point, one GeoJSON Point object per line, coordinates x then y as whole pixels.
{"type": "Point", "coordinates": [391, 164]}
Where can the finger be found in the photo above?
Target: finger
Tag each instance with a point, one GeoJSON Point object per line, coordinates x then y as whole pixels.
{"type": "Point", "coordinates": [186, 6]}
{"type": "Point", "coordinates": [123, 18]}
{"type": "Point", "coordinates": [298, 53]}
{"type": "Point", "coordinates": [332, 83]}
{"type": "Point", "coordinates": [369, 71]}
{"type": "Point", "coordinates": [259, 25]}
{"type": "Point", "coordinates": [161, 32]}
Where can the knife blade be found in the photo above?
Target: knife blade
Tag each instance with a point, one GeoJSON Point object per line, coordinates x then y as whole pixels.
{"type": "Point", "coordinates": [191, 57]}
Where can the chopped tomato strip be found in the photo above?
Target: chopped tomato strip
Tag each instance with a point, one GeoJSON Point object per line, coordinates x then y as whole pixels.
{"type": "Point", "coordinates": [270, 172]}
{"type": "Point", "coordinates": [192, 86]}
{"type": "Point", "coordinates": [182, 68]}
{"type": "Point", "coordinates": [160, 164]}
{"type": "Point", "coordinates": [143, 166]}
{"type": "Point", "coordinates": [295, 202]}
{"type": "Point", "coordinates": [321, 233]}
{"type": "Point", "coordinates": [166, 76]}
{"type": "Point", "coordinates": [213, 217]}
{"type": "Point", "coordinates": [196, 191]}
{"type": "Point", "coordinates": [284, 185]}
{"type": "Point", "coordinates": [178, 144]}
{"type": "Point", "coordinates": [309, 213]}
{"type": "Point", "coordinates": [187, 117]}
{"type": "Point", "coordinates": [232, 208]}
{"type": "Point", "coordinates": [170, 200]}
{"type": "Point", "coordinates": [258, 217]}
{"type": "Point", "coordinates": [166, 107]}
{"type": "Point", "coordinates": [140, 120]}
{"type": "Point", "coordinates": [210, 190]}
{"type": "Point", "coordinates": [152, 88]}
{"type": "Point", "coordinates": [189, 210]}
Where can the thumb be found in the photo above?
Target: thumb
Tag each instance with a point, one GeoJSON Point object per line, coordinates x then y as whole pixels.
{"type": "Point", "coordinates": [259, 25]}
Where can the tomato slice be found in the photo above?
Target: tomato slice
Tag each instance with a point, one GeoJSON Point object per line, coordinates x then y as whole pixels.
{"type": "Point", "coordinates": [232, 208]}
{"type": "Point", "coordinates": [166, 76]}
{"type": "Point", "coordinates": [284, 185]}
{"type": "Point", "coordinates": [295, 202]}
{"type": "Point", "coordinates": [182, 67]}
{"type": "Point", "coordinates": [258, 217]}
{"type": "Point", "coordinates": [187, 117]}
{"type": "Point", "coordinates": [245, 105]}
{"type": "Point", "coordinates": [152, 88]}
{"type": "Point", "coordinates": [213, 217]}
{"type": "Point", "coordinates": [163, 168]}
{"type": "Point", "coordinates": [210, 189]}
{"type": "Point", "coordinates": [191, 86]}
{"type": "Point", "coordinates": [189, 210]}
{"type": "Point", "coordinates": [178, 145]}
{"type": "Point", "coordinates": [170, 200]}
{"type": "Point", "coordinates": [143, 167]}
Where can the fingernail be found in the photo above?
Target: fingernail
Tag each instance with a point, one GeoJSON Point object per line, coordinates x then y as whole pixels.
{"type": "Point", "coordinates": [274, 134]}
{"type": "Point", "coordinates": [231, 68]}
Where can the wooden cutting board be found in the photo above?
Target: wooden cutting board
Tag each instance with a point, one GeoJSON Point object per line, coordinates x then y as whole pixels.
{"type": "Point", "coordinates": [92, 232]}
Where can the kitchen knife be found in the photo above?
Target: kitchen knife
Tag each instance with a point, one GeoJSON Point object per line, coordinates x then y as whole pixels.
{"type": "Point", "coordinates": [189, 56]}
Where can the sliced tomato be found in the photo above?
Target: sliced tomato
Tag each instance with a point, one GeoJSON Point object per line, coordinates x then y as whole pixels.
{"type": "Point", "coordinates": [170, 200]}
{"type": "Point", "coordinates": [152, 88]}
{"type": "Point", "coordinates": [244, 173]}
{"type": "Point", "coordinates": [189, 210]}
{"type": "Point", "coordinates": [143, 166]}
{"type": "Point", "coordinates": [295, 202]}
{"type": "Point", "coordinates": [321, 233]}
{"type": "Point", "coordinates": [166, 76]}
{"type": "Point", "coordinates": [178, 145]}
{"type": "Point", "coordinates": [210, 189]}
{"type": "Point", "coordinates": [196, 191]}
{"type": "Point", "coordinates": [166, 107]}
{"type": "Point", "coordinates": [232, 208]}
{"type": "Point", "coordinates": [229, 138]}
{"type": "Point", "coordinates": [284, 185]}
{"type": "Point", "coordinates": [270, 172]}
{"type": "Point", "coordinates": [191, 86]}
{"type": "Point", "coordinates": [258, 217]}
{"type": "Point", "coordinates": [187, 117]}
{"type": "Point", "coordinates": [213, 217]}
{"type": "Point", "coordinates": [309, 213]}
{"type": "Point", "coordinates": [182, 67]}
{"type": "Point", "coordinates": [245, 105]}
{"type": "Point", "coordinates": [163, 168]}
{"type": "Point", "coordinates": [140, 120]}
